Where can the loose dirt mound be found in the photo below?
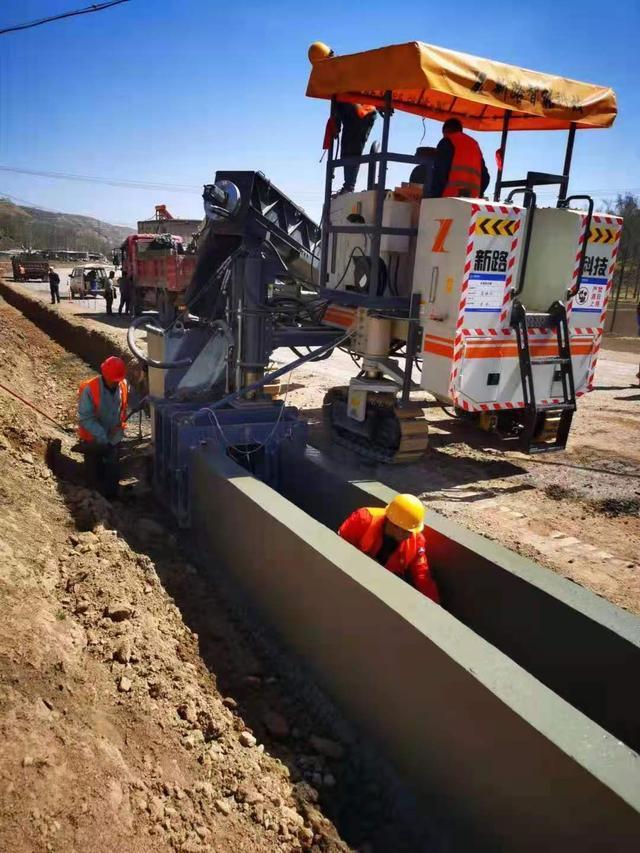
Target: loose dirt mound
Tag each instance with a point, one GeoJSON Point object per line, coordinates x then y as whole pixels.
{"type": "Point", "coordinates": [114, 736]}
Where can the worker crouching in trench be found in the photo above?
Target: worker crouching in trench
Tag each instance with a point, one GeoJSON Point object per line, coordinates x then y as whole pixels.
{"type": "Point", "coordinates": [102, 415]}
{"type": "Point", "coordinates": [393, 537]}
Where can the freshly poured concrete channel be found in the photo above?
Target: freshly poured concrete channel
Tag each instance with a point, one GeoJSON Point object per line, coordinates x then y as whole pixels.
{"type": "Point", "coordinates": [500, 760]}
{"type": "Point", "coordinates": [578, 644]}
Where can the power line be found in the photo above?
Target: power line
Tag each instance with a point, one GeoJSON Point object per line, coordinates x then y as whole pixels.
{"type": "Point", "coordinates": [191, 189]}
{"type": "Point", "coordinates": [95, 7]}
{"type": "Point", "coordinates": [113, 182]}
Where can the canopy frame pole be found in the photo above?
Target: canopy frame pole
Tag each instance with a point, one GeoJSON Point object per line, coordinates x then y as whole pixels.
{"type": "Point", "coordinates": [503, 154]}
{"type": "Point", "coordinates": [326, 207]}
{"type": "Point", "coordinates": [379, 207]}
{"type": "Point", "coordinates": [566, 169]}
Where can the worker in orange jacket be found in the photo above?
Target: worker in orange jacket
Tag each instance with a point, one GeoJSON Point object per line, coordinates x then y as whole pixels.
{"type": "Point", "coordinates": [393, 537]}
{"type": "Point", "coordinates": [353, 120]}
{"type": "Point", "coordinates": [459, 168]}
{"type": "Point", "coordinates": [102, 415]}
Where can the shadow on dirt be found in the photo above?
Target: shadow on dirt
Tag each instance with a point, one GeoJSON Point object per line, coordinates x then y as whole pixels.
{"type": "Point", "coordinates": [478, 457]}
{"type": "Point", "coordinates": [118, 321]}
{"type": "Point", "coordinates": [613, 388]}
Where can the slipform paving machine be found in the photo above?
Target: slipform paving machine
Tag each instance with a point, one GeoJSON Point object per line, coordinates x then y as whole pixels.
{"type": "Point", "coordinates": [500, 303]}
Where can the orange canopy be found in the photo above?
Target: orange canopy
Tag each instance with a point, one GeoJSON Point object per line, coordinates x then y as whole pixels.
{"type": "Point", "coordinates": [437, 83]}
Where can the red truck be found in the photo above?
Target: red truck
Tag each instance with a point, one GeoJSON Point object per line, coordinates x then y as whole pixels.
{"type": "Point", "coordinates": [159, 267]}
{"type": "Point", "coordinates": [30, 266]}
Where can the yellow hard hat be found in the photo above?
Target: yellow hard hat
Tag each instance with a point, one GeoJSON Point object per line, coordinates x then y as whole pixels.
{"type": "Point", "coordinates": [319, 50]}
{"type": "Point", "coordinates": [406, 512]}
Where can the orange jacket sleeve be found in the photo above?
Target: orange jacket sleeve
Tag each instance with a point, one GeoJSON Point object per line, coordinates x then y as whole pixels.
{"type": "Point", "coordinates": [421, 574]}
{"type": "Point", "coordinates": [330, 132]}
{"type": "Point", "coordinates": [354, 527]}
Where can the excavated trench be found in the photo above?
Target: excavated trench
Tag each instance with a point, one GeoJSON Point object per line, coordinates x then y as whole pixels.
{"type": "Point", "coordinates": [336, 773]}
{"type": "Point", "coordinates": [542, 669]}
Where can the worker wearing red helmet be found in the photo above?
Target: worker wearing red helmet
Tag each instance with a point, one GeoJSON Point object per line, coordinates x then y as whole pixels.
{"type": "Point", "coordinates": [102, 415]}
{"type": "Point", "coordinates": [393, 536]}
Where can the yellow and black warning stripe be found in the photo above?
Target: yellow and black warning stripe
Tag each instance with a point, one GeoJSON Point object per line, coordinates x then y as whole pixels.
{"type": "Point", "coordinates": [491, 226]}
{"type": "Point", "coordinates": [603, 235]}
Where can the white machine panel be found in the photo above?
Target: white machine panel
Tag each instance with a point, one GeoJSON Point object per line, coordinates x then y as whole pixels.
{"type": "Point", "coordinates": [557, 241]}
{"type": "Point", "coordinates": [467, 262]}
{"type": "Point", "coordinates": [345, 249]}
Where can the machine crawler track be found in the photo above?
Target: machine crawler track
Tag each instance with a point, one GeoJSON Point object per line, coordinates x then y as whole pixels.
{"type": "Point", "coordinates": [397, 436]}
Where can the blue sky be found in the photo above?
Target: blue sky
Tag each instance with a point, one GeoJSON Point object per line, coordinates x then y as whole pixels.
{"type": "Point", "coordinates": [168, 91]}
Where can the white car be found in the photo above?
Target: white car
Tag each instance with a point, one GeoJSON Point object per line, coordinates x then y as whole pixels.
{"type": "Point", "coordinates": [80, 283]}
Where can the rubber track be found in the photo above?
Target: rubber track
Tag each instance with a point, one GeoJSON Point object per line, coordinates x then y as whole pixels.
{"type": "Point", "coordinates": [414, 430]}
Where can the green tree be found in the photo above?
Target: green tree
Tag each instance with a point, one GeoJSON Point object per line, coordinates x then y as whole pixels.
{"type": "Point", "coordinates": [628, 268]}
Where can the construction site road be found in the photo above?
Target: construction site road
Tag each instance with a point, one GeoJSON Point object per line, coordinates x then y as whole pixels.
{"type": "Point", "coordinates": [577, 512]}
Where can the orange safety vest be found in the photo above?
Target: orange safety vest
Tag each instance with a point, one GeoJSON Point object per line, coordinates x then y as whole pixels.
{"type": "Point", "coordinates": [465, 175]}
{"type": "Point", "coordinates": [95, 389]}
{"type": "Point", "coordinates": [365, 530]}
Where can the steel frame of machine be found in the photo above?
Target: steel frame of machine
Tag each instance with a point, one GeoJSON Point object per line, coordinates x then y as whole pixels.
{"type": "Point", "coordinates": [360, 83]}
{"type": "Point", "coordinates": [405, 308]}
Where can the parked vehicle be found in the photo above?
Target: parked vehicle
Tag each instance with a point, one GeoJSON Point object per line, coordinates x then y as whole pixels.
{"type": "Point", "coordinates": [29, 267]}
{"type": "Point", "coordinates": [87, 280]}
{"type": "Point", "coordinates": [160, 268]}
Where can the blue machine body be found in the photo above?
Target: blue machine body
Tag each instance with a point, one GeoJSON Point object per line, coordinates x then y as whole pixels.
{"type": "Point", "coordinates": [253, 435]}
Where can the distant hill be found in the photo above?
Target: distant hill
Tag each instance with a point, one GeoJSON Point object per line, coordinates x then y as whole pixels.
{"type": "Point", "coordinates": [32, 227]}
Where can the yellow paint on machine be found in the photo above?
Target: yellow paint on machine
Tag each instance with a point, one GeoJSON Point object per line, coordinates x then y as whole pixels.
{"type": "Point", "coordinates": [599, 234]}
{"type": "Point", "coordinates": [496, 226]}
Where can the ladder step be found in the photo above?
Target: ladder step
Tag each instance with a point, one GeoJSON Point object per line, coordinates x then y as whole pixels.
{"type": "Point", "coordinates": [556, 407]}
{"type": "Point", "coordinates": [540, 321]}
{"type": "Point", "coordinates": [551, 359]}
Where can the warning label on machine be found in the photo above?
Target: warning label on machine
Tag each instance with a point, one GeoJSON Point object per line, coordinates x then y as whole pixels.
{"type": "Point", "coordinates": [493, 242]}
{"type": "Point", "coordinates": [485, 292]}
{"type": "Point", "coordinates": [590, 295]}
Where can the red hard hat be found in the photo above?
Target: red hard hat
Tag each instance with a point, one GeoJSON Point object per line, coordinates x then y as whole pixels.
{"type": "Point", "coordinates": [113, 369]}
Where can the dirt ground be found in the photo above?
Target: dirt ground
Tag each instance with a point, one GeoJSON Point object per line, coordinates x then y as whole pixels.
{"type": "Point", "coordinates": [134, 714]}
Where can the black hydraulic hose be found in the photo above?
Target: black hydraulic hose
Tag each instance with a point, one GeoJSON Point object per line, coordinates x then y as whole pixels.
{"type": "Point", "coordinates": [322, 357]}
{"type": "Point", "coordinates": [447, 413]}
{"type": "Point", "coordinates": [136, 323]}
{"type": "Point", "coordinates": [530, 202]}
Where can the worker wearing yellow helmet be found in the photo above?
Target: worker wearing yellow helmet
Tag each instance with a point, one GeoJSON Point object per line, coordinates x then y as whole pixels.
{"type": "Point", "coordinates": [393, 536]}
{"type": "Point", "coordinates": [354, 120]}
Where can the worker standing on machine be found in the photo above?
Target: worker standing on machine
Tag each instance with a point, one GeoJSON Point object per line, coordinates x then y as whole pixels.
{"type": "Point", "coordinates": [393, 537]}
{"type": "Point", "coordinates": [459, 168]}
{"type": "Point", "coordinates": [102, 415]}
{"type": "Point", "coordinates": [354, 120]}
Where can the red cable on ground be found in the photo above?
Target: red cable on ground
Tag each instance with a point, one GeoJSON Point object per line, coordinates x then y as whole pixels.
{"type": "Point", "coordinates": [31, 406]}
